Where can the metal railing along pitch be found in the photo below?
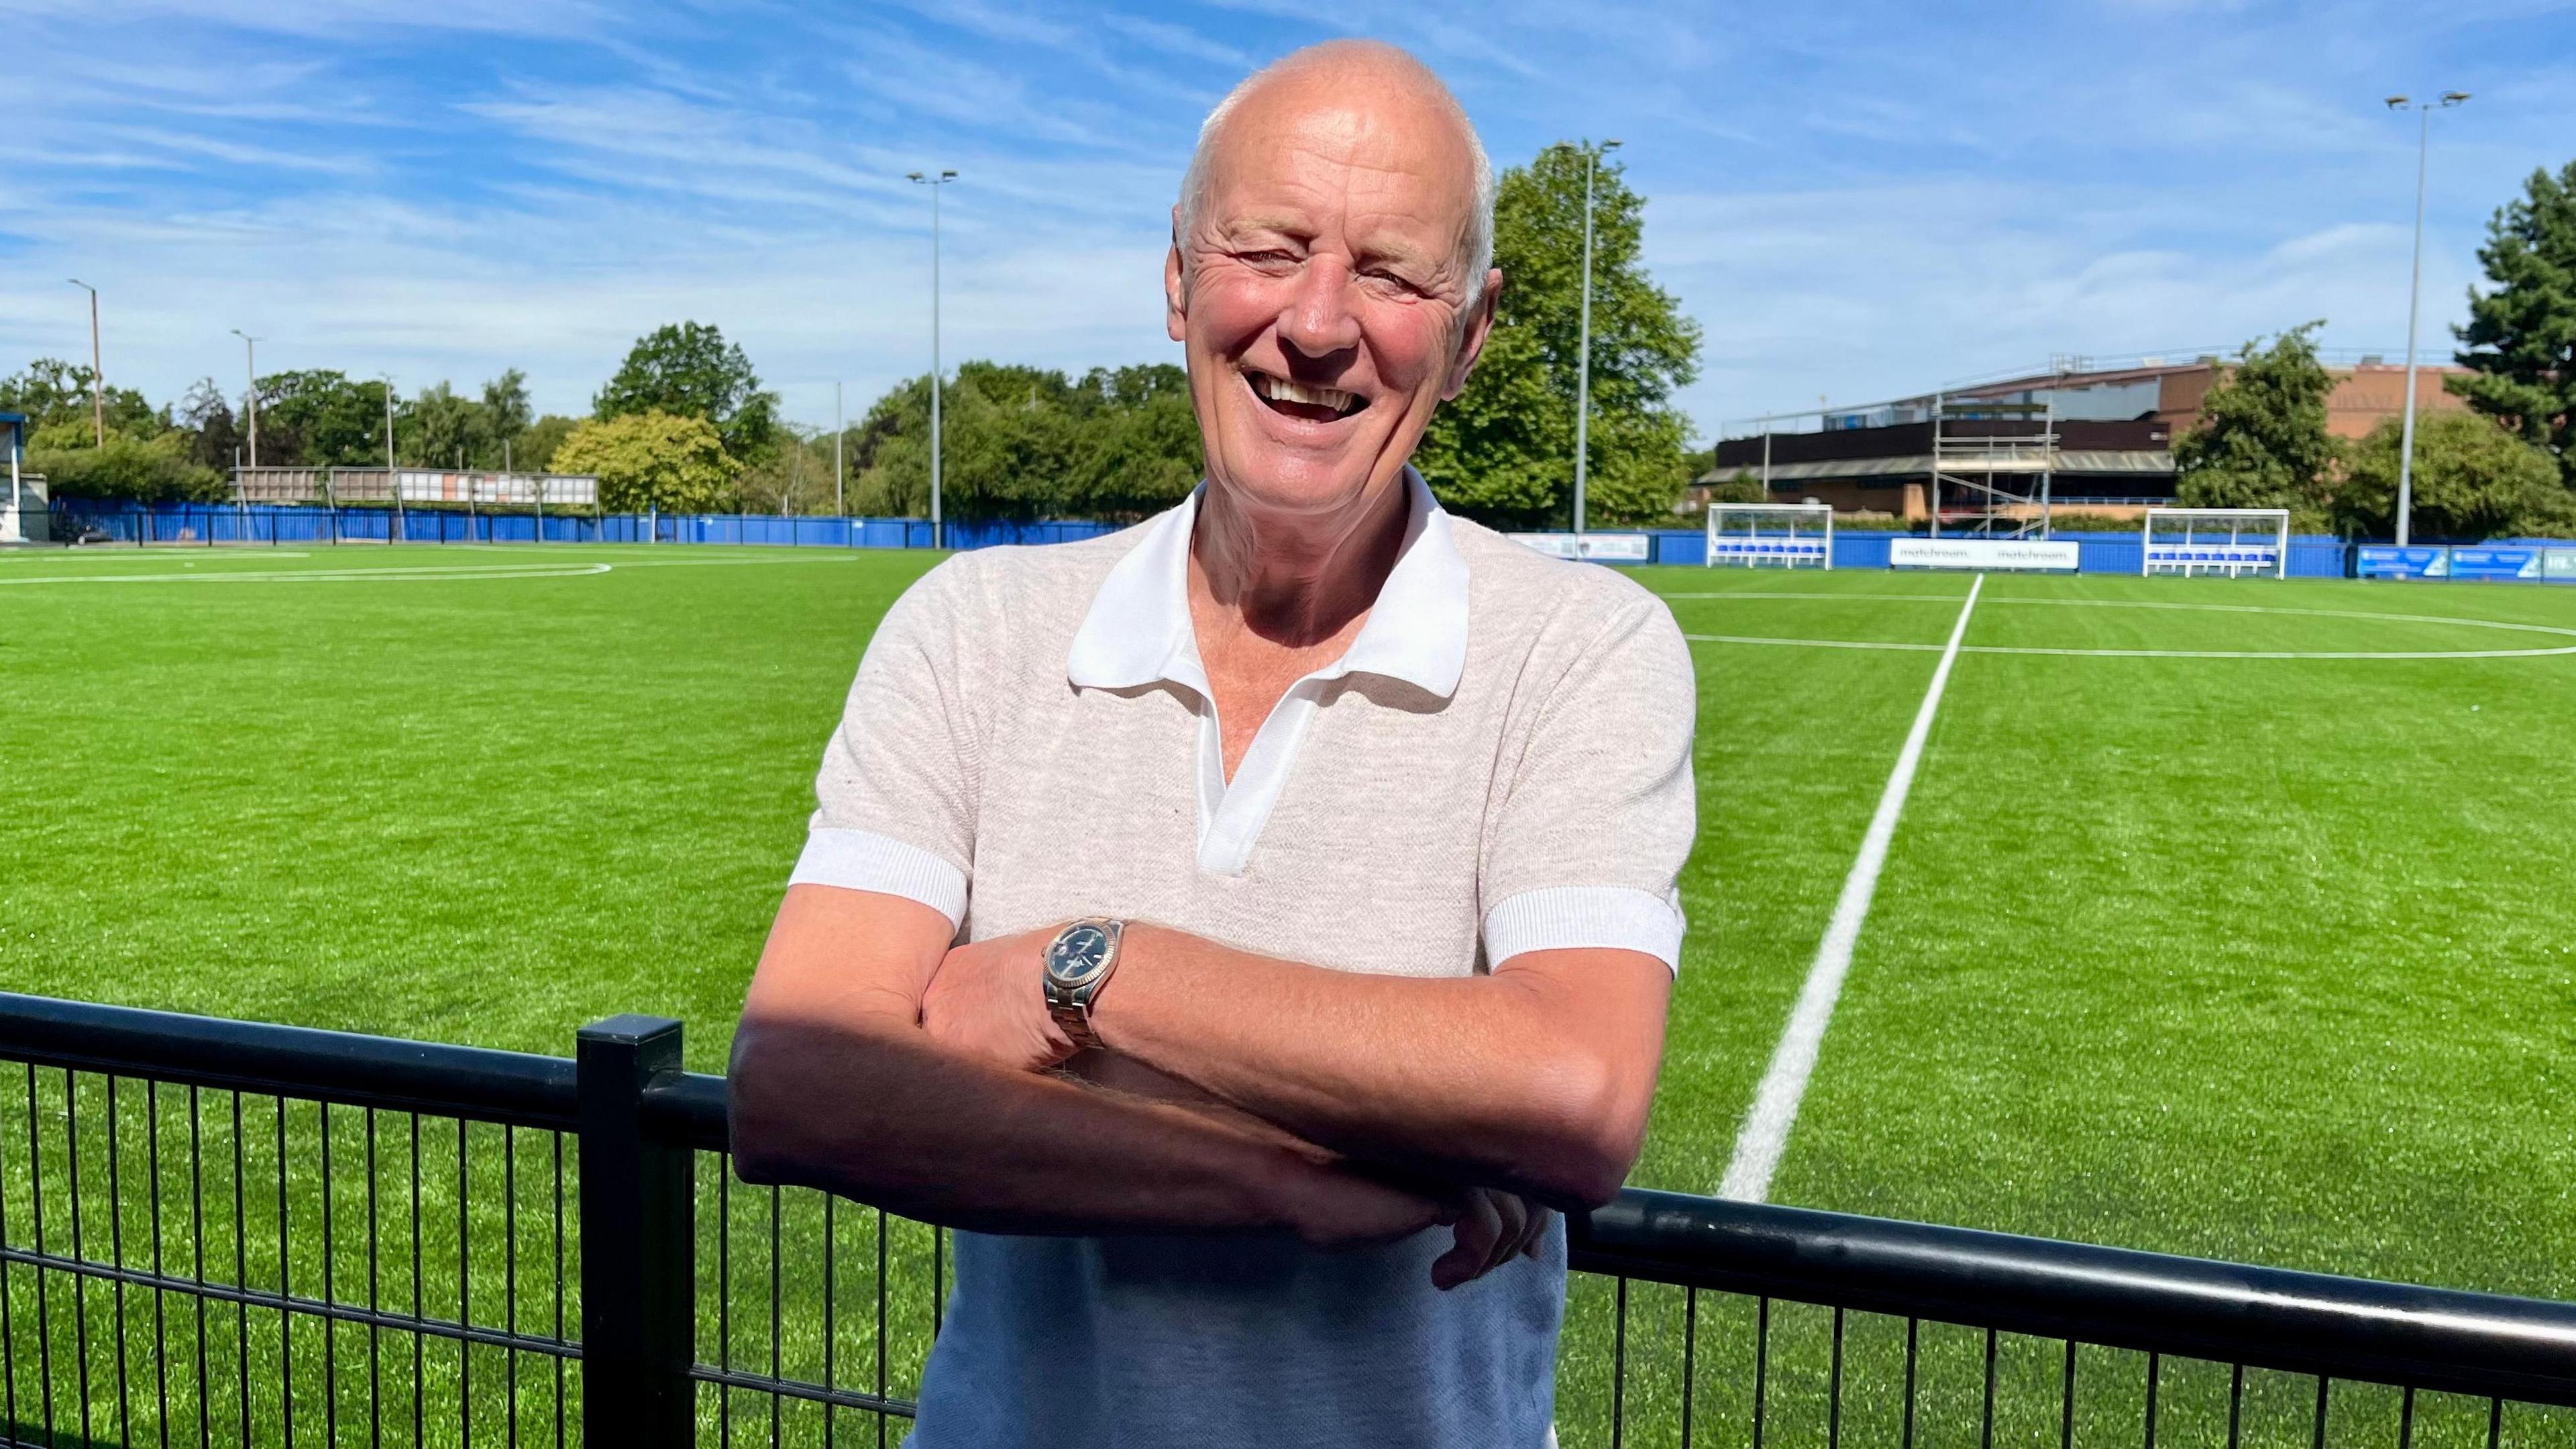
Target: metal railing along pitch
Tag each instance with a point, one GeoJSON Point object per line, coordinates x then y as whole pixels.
{"type": "Point", "coordinates": [215, 1232]}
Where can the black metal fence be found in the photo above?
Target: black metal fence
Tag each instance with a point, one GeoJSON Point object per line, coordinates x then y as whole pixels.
{"type": "Point", "coordinates": [220, 1233]}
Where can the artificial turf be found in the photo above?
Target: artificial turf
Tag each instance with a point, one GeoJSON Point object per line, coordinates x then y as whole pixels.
{"type": "Point", "coordinates": [2258, 957]}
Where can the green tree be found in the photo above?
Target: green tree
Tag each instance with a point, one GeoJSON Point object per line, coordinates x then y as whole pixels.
{"type": "Point", "coordinates": [2261, 440]}
{"type": "Point", "coordinates": [148, 469]}
{"type": "Point", "coordinates": [651, 460]}
{"type": "Point", "coordinates": [535, 448]}
{"type": "Point", "coordinates": [689, 370]}
{"type": "Point", "coordinates": [2473, 480]}
{"type": "Point", "coordinates": [2520, 341]}
{"type": "Point", "coordinates": [1503, 451]}
{"type": "Point", "coordinates": [1025, 443]}
{"type": "Point", "coordinates": [443, 428]}
{"type": "Point", "coordinates": [1138, 449]}
{"type": "Point", "coordinates": [52, 391]}
{"type": "Point", "coordinates": [320, 418]}
{"type": "Point", "coordinates": [505, 405]}
{"type": "Point", "coordinates": [205, 416]}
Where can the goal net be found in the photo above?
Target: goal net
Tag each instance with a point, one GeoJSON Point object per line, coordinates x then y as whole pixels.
{"type": "Point", "coordinates": [2229, 541]}
{"type": "Point", "coordinates": [1780, 535]}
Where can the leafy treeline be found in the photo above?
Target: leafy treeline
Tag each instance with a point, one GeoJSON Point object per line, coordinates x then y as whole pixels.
{"type": "Point", "coordinates": [1503, 452]}
{"type": "Point", "coordinates": [2504, 466]}
{"type": "Point", "coordinates": [685, 424]}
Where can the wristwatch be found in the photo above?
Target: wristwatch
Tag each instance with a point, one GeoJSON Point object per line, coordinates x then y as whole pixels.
{"type": "Point", "coordinates": [1078, 962]}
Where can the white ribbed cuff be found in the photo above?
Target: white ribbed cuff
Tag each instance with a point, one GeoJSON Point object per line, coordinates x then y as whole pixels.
{"type": "Point", "coordinates": [1562, 918]}
{"type": "Point", "coordinates": [862, 860]}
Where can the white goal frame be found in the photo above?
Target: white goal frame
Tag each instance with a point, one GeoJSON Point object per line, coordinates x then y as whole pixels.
{"type": "Point", "coordinates": [2257, 541]}
{"type": "Point", "coordinates": [1753, 549]}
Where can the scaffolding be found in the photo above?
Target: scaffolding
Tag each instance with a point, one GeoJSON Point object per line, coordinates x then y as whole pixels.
{"type": "Point", "coordinates": [1988, 482]}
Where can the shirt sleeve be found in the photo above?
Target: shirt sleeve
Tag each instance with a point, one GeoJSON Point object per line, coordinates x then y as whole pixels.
{"type": "Point", "coordinates": [895, 799]}
{"type": "Point", "coordinates": [1587, 846]}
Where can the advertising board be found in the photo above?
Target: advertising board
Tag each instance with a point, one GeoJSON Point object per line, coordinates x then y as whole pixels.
{"type": "Point", "coordinates": [2378, 561]}
{"type": "Point", "coordinates": [2495, 563]}
{"type": "Point", "coordinates": [2558, 564]}
{"type": "Point", "coordinates": [1598, 547]}
{"type": "Point", "coordinates": [1983, 553]}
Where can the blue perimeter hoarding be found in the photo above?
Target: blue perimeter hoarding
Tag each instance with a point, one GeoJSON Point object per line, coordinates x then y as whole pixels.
{"type": "Point", "coordinates": [2372, 561]}
{"type": "Point", "coordinates": [2495, 563]}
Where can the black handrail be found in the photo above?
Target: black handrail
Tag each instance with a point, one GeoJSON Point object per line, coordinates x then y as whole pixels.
{"type": "Point", "coordinates": [522, 1088]}
{"type": "Point", "coordinates": [2277, 1318]}
{"type": "Point", "coordinates": [2431, 1338]}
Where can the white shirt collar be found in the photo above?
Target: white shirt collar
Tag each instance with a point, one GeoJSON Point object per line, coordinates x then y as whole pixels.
{"type": "Point", "coordinates": [1138, 630]}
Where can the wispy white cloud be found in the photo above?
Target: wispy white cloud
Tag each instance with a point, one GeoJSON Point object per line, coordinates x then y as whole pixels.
{"type": "Point", "coordinates": [1852, 199]}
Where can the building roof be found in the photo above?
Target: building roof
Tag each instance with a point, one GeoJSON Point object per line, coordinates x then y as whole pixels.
{"type": "Point", "coordinates": [2122, 461]}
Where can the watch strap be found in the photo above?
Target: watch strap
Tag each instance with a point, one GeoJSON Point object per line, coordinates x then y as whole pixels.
{"type": "Point", "coordinates": [1070, 1006]}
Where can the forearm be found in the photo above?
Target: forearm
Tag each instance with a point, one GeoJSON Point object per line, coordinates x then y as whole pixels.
{"type": "Point", "coordinates": [837, 1085]}
{"type": "Point", "coordinates": [1517, 1079]}
{"type": "Point", "coordinates": [881, 1116]}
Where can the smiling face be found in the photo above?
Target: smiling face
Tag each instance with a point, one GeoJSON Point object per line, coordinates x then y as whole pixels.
{"type": "Point", "coordinates": [1320, 285]}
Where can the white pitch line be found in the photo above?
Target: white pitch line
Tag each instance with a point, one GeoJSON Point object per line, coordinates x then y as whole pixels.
{"type": "Point", "coordinates": [1784, 1085]}
{"type": "Point", "coordinates": [449, 572]}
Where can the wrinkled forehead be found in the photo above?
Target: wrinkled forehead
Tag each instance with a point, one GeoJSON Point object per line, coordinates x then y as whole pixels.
{"type": "Point", "coordinates": [1311, 158]}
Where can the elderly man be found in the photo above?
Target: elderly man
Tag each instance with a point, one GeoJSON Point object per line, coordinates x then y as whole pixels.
{"type": "Point", "coordinates": [1245, 928]}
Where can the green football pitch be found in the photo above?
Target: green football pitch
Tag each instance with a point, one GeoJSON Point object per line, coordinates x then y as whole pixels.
{"type": "Point", "coordinates": [2223, 917]}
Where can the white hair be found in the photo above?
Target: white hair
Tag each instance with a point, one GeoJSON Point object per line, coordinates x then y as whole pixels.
{"type": "Point", "coordinates": [1478, 253]}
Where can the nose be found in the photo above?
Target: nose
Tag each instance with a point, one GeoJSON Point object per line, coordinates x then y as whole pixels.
{"type": "Point", "coordinates": [1319, 320]}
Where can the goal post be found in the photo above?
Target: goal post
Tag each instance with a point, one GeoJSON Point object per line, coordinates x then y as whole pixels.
{"type": "Point", "coordinates": [1771, 535]}
{"type": "Point", "coordinates": [2233, 542]}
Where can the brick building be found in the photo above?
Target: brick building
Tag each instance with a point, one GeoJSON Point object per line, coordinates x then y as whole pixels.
{"type": "Point", "coordinates": [2095, 440]}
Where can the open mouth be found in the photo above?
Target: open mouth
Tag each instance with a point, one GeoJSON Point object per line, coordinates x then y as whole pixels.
{"type": "Point", "coordinates": [1303, 401]}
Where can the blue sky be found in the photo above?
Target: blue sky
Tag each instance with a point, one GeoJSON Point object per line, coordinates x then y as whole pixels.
{"type": "Point", "coordinates": [1854, 200]}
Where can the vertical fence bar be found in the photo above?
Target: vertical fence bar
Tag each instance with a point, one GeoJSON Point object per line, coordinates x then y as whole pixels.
{"type": "Point", "coordinates": [1761, 1365]}
{"type": "Point", "coordinates": [638, 1241]}
{"type": "Point", "coordinates": [1913, 1334]}
{"type": "Point", "coordinates": [1690, 1347]}
{"type": "Point", "coordinates": [2155, 1367]}
{"type": "Point", "coordinates": [8, 1326]}
{"type": "Point", "coordinates": [2066, 1410]}
{"type": "Point", "coordinates": [1619, 1371]}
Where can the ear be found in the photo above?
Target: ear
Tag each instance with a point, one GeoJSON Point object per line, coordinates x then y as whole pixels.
{"type": "Point", "coordinates": [1471, 338]}
{"type": "Point", "coordinates": [1176, 293]}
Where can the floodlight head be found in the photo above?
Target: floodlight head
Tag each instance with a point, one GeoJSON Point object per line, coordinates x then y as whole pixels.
{"type": "Point", "coordinates": [951, 175]}
{"type": "Point", "coordinates": [2453, 98]}
{"type": "Point", "coordinates": [2396, 103]}
{"type": "Point", "coordinates": [1610, 145]}
{"type": "Point", "coordinates": [84, 286]}
{"type": "Point", "coordinates": [912, 176]}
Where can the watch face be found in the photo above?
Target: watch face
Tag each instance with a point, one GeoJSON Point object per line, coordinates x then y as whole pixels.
{"type": "Point", "coordinates": [1078, 954]}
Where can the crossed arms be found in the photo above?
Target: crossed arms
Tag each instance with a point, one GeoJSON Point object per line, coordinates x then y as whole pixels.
{"type": "Point", "coordinates": [1240, 1092]}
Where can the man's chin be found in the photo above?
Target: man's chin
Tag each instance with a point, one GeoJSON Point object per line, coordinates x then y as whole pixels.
{"type": "Point", "coordinates": [1294, 489]}
{"type": "Point", "coordinates": [1296, 481]}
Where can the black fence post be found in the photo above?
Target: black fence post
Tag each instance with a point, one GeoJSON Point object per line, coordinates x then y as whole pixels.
{"type": "Point", "coordinates": [638, 1238]}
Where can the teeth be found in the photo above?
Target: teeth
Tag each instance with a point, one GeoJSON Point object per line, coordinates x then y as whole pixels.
{"type": "Point", "coordinates": [1280, 389]}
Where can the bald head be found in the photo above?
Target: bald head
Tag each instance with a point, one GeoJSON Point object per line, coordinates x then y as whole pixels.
{"type": "Point", "coordinates": [1371, 83]}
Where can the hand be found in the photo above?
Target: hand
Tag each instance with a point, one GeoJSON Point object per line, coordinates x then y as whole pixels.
{"type": "Point", "coordinates": [1331, 1206]}
{"type": "Point", "coordinates": [988, 1000]}
{"type": "Point", "coordinates": [1494, 1228]}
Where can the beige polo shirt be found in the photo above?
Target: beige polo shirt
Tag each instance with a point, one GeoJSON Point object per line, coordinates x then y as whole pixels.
{"type": "Point", "coordinates": [1500, 763]}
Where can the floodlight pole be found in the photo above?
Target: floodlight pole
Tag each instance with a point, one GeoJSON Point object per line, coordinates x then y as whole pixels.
{"type": "Point", "coordinates": [250, 357]}
{"type": "Point", "coordinates": [2414, 302]}
{"type": "Point", "coordinates": [97, 378]}
{"type": "Point", "coordinates": [1583, 349]}
{"type": "Point", "coordinates": [934, 183]}
{"type": "Point", "coordinates": [838, 506]}
{"type": "Point", "coordinates": [393, 530]}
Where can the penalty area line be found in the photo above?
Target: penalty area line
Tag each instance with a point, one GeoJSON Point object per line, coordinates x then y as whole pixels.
{"type": "Point", "coordinates": [1765, 1135]}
